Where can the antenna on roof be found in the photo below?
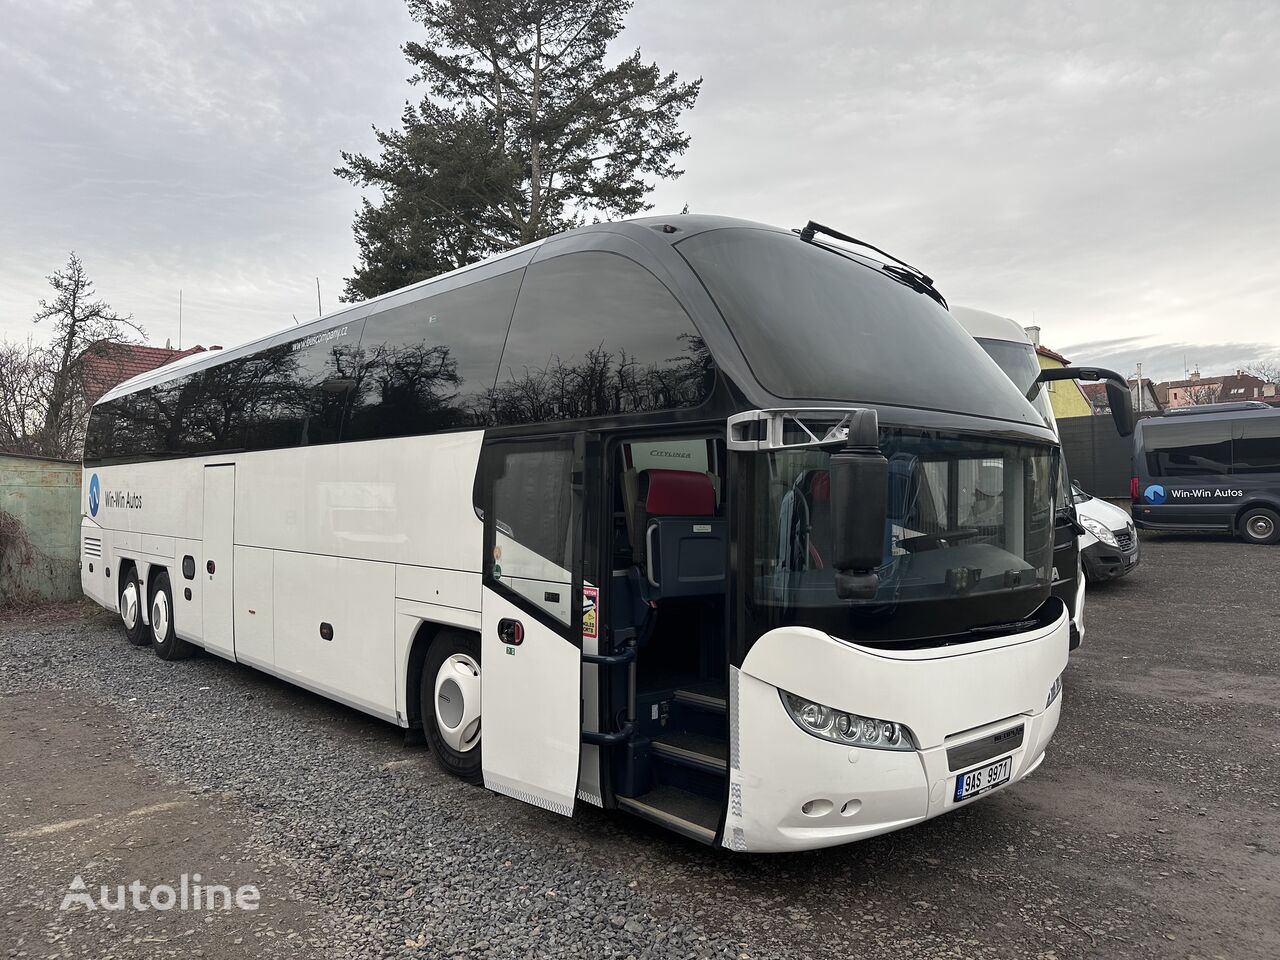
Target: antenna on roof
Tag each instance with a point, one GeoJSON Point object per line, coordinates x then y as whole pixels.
{"type": "Point", "coordinates": [179, 318]}
{"type": "Point", "coordinates": [319, 308]}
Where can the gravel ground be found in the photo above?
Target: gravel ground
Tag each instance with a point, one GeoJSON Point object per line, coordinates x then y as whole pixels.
{"type": "Point", "coordinates": [1151, 830]}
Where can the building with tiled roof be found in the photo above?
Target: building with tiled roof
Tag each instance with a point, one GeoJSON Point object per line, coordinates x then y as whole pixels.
{"type": "Point", "coordinates": [1198, 389]}
{"type": "Point", "coordinates": [106, 363]}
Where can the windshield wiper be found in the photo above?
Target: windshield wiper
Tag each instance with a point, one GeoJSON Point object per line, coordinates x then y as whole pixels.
{"type": "Point", "coordinates": [899, 270]}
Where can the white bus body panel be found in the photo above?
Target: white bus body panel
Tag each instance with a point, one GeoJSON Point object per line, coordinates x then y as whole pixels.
{"type": "Point", "coordinates": [255, 607]}
{"type": "Point", "coordinates": [217, 611]}
{"type": "Point", "coordinates": [945, 696]}
{"type": "Point", "coordinates": [354, 534]}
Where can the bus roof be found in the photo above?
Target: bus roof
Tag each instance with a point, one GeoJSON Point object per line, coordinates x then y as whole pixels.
{"type": "Point", "coordinates": [981, 324]}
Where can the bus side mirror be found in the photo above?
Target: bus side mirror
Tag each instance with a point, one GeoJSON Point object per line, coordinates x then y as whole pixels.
{"type": "Point", "coordinates": [1121, 402]}
{"type": "Point", "coordinates": [859, 476]}
{"type": "Point", "coordinates": [1118, 397]}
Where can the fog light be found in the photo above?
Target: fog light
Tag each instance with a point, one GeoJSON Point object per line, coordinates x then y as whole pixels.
{"type": "Point", "coordinates": [848, 728]}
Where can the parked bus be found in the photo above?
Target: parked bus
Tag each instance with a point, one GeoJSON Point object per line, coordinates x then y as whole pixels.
{"type": "Point", "coordinates": [1213, 468]}
{"type": "Point", "coordinates": [1080, 541]}
{"type": "Point", "coordinates": [727, 526]}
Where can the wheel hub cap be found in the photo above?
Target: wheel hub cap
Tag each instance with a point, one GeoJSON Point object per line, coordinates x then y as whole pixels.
{"type": "Point", "coordinates": [160, 617]}
{"type": "Point", "coordinates": [1260, 527]}
{"type": "Point", "coordinates": [129, 606]}
{"type": "Point", "coordinates": [457, 702]}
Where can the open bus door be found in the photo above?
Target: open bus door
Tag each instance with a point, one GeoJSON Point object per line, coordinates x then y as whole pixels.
{"type": "Point", "coordinates": [531, 495]}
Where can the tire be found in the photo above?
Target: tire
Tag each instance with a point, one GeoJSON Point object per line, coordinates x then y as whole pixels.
{"type": "Point", "coordinates": [449, 694]}
{"type": "Point", "coordinates": [130, 604]}
{"type": "Point", "coordinates": [1260, 525]}
{"type": "Point", "coordinates": [164, 641]}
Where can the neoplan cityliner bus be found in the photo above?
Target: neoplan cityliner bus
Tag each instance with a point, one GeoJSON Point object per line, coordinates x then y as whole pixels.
{"type": "Point", "coordinates": [727, 526]}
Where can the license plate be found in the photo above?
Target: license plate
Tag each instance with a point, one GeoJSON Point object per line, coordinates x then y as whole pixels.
{"type": "Point", "coordinates": [983, 779]}
{"type": "Point", "coordinates": [1131, 560]}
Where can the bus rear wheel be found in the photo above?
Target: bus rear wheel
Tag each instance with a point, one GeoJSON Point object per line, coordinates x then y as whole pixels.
{"type": "Point", "coordinates": [1260, 525]}
{"type": "Point", "coordinates": [450, 703]}
{"type": "Point", "coordinates": [164, 641]}
{"type": "Point", "coordinates": [135, 630]}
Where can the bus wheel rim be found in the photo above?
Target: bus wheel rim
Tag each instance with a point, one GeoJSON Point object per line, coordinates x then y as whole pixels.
{"type": "Point", "coordinates": [457, 702]}
{"type": "Point", "coordinates": [129, 606]}
{"type": "Point", "coordinates": [1261, 527]}
{"type": "Point", "coordinates": [160, 616]}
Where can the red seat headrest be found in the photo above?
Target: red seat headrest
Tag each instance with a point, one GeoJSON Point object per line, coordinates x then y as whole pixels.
{"type": "Point", "coordinates": [820, 486]}
{"type": "Point", "coordinates": [679, 493]}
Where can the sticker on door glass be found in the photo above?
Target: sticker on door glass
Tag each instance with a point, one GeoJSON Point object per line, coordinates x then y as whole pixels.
{"type": "Point", "coordinates": [590, 613]}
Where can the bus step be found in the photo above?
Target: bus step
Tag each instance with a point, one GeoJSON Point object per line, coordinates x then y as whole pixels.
{"type": "Point", "coordinates": [701, 752]}
{"type": "Point", "coordinates": [689, 814]}
{"type": "Point", "coordinates": [711, 701]}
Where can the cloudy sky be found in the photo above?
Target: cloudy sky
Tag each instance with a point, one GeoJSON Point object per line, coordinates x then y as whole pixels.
{"type": "Point", "coordinates": [1106, 171]}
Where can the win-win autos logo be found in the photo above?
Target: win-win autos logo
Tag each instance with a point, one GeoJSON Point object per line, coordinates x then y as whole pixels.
{"type": "Point", "coordinates": [95, 493]}
{"type": "Point", "coordinates": [1155, 494]}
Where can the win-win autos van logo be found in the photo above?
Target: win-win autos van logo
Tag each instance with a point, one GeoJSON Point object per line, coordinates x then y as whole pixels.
{"type": "Point", "coordinates": [1155, 494]}
{"type": "Point", "coordinates": [95, 494]}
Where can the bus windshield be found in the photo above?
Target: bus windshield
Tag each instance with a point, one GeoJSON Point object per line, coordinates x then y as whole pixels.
{"type": "Point", "coordinates": [1018, 361]}
{"type": "Point", "coordinates": [968, 540]}
{"type": "Point", "coordinates": [817, 324]}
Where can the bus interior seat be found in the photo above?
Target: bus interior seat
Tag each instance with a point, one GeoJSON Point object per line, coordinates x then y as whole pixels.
{"type": "Point", "coordinates": [684, 541]}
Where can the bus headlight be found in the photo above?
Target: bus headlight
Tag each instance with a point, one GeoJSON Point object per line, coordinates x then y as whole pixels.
{"type": "Point", "coordinates": [1099, 531]}
{"type": "Point", "coordinates": [846, 728]}
{"type": "Point", "coordinates": [1054, 691]}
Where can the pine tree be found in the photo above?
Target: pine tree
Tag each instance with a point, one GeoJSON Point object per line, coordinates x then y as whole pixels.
{"type": "Point", "coordinates": [524, 131]}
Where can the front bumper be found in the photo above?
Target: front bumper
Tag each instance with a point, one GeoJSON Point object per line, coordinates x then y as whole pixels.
{"type": "Point", "coordinates": [947, 699]}
{"type": "Point", "coordinates": [1103, 562]}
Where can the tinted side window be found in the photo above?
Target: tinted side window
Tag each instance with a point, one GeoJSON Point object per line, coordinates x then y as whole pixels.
{"type": "Point", "coordinates": [300, 389]}
{"type": "Point", "coordinates": [1257, 446]}
{"type": "Point", "coordinates": [429, 365]}
{"type": "Point", "coordinates": [98, 438]}
{"type": "Point", "coordinates": [162, 415]}
{"type": "Point", "coordinates": [596, 334]}
{"type": "Point", "coordinates": [227, 398]}
{"type": "Point", "coordinates": [536, 510]}
{"type": "Point", "coordinates": [1189, 450]}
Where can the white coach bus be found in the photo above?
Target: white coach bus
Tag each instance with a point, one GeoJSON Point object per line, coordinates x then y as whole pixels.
{"type": "Point", "coordinates": [727, 526]}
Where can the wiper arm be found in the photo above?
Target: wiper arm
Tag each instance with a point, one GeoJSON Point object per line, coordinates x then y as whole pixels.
{"type": "Point", "coordinates": [900, 270]}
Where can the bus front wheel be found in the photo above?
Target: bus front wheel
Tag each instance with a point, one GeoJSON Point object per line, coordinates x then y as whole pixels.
{"type": "Point", "coordinates": [166, 644]}
{"type": "Point", "coordinates": [1260, 525]}
{"type": "Point", "coordinates": [450, 702]}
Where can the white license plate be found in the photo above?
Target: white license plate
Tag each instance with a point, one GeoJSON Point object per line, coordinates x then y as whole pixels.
{"type": "Point", "coordinates": [983, 779]}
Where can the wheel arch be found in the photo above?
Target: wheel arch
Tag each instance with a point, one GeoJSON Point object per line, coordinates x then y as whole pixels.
{"type": "Point", "coordinates": [1253, 503]}
{"type": "Point", "coordinates": [423, 636]}
{"type": "Point", "coordinates": [126, 565]}
{"type": "Point", "coordinates": [153, 572]}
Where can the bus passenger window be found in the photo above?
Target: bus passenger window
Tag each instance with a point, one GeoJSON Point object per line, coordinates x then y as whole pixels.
{"type": "Point", "coordinates": [596, 334]}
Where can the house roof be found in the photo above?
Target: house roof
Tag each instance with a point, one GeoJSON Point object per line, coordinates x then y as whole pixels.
{"type": "Point", "coordinates": [106, 363]}
{"type": "Point", "coordinates": [1239, 379]}
{"type": "Point", "coordinates": [1052, 355]}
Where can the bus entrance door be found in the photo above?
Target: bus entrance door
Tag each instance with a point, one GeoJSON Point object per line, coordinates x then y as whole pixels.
{"type": "Point", "coordinates": [531, 617]}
